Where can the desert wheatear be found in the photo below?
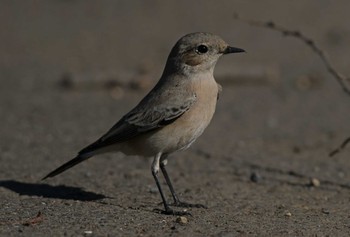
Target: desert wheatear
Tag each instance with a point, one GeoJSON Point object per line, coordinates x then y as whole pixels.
{"type": "Point", "coordinates": [172, 115]}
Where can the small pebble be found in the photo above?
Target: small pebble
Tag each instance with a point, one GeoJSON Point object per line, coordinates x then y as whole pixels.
{"type": "Point", "coordinates": [255, 177]}
{"type": "Point", "coordinates": [325, 211]}
{"type": "Point", "coordinates": [182, 220]}
{"type": "Point", "coordinates": [88, 232]}
{"type": "Point", "coordinates": [288, 214]}
{"type": "Point", "coordinates": [315, 182]}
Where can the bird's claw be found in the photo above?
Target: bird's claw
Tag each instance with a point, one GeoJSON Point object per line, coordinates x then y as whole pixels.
{"type": "Point", "coordinates": [172, 212]}
{"type": "Point", "coordinates": [185, 204]}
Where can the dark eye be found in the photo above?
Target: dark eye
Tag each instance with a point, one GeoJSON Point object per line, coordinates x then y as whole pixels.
{"type": "Point", "coordinates": [202, 49]}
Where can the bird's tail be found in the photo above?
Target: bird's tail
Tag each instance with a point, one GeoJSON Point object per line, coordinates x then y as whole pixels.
{"type": "Point", "coordinates": [79, 158]}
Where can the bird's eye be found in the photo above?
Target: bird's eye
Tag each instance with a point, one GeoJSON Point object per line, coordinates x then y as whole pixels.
{"type": "Point", "coordinates": [201, 49]}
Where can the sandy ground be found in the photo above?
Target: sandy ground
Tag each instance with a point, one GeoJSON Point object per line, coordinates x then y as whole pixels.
{"type": "Point", "coordinates": [70, 69]}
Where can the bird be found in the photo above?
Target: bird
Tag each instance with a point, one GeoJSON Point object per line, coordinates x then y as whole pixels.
{"type": "Point", "coordinates": [172, 115]}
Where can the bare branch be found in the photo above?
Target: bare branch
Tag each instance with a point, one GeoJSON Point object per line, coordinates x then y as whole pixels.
{"type": "Point", "coordinates": [342, 80]}
{"type": "Point", "coordinates": [342, 146]}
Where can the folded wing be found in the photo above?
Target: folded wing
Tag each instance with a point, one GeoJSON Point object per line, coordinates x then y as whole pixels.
{"type": "Point", "coordinates": [143, 118]}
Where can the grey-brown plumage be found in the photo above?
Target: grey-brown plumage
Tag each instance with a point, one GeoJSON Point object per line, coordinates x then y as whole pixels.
{"type": "Point", "coordinates": [173, 114]}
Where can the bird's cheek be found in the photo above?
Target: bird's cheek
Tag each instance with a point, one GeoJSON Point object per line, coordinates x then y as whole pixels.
{"type": "Point", "coordinates": [192, 60]}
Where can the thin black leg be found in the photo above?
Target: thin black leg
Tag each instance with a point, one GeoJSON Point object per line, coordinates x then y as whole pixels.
{"type": "Point", "coordinates": [170, 185]}
{"type": "Point", "coordinates": [177, 201]}
{"type": "Point", "coordinates": [155, 176]}
{"type": "Point", "coordinates": [167, 209]}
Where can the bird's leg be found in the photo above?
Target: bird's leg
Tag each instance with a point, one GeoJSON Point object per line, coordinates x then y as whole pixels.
{"type": "Point", "coordinates": [155, 171]}
{"type": "Point", "coordinates": [167, 179]}
{"type": "Point", "coordinates": [177, 201]}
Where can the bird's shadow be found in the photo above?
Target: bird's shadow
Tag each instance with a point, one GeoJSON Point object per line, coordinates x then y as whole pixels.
{"type": "Point", "coordinates": [49, 191]}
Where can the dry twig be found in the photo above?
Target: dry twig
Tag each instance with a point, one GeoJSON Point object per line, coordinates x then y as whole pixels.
{"type": "Point", "coordinates": [342, 80]}
{"type": "Point", "coordinates": [341, 147]}
{"type": "Point", "coordinates": [34, 220]}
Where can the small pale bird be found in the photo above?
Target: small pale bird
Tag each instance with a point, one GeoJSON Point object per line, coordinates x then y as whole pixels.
{"type": "Point", "coordinates": [172, 115]}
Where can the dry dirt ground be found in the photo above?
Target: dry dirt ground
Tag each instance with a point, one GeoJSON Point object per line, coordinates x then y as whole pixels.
{"type": "Point", "coordinates": [70, 69]}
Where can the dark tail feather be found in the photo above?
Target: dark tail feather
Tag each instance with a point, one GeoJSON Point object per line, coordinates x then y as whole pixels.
{"type": "Point", "coordinates": [69, 164]}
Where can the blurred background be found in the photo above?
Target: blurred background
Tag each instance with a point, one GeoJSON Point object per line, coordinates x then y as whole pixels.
{"type": "Point", "coordinates": [41, 40]}
{"type": "Point", "coordinates": [69, 69]}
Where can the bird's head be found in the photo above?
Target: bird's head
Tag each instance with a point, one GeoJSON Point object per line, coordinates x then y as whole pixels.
{"type": "Point", "coordinates": [197, 52]}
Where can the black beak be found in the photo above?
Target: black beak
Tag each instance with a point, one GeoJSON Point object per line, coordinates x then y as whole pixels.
{"type": "Point", "coordinates": [230, 49]}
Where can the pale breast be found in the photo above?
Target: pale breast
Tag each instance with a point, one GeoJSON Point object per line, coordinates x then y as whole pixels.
{"type": "Point", "coordinates": [182, 132]}
{"type": "Point", "coordinates": [186, 129]}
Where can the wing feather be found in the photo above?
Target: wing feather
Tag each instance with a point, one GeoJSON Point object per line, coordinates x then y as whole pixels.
{"type": "Point", "coordinates": [142, 119]}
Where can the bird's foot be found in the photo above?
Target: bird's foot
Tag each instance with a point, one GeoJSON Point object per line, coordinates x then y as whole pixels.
{"type": "Point", "coordinates": [185, 204]}
{"type": "Point", "coordinates": [172, 212]}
